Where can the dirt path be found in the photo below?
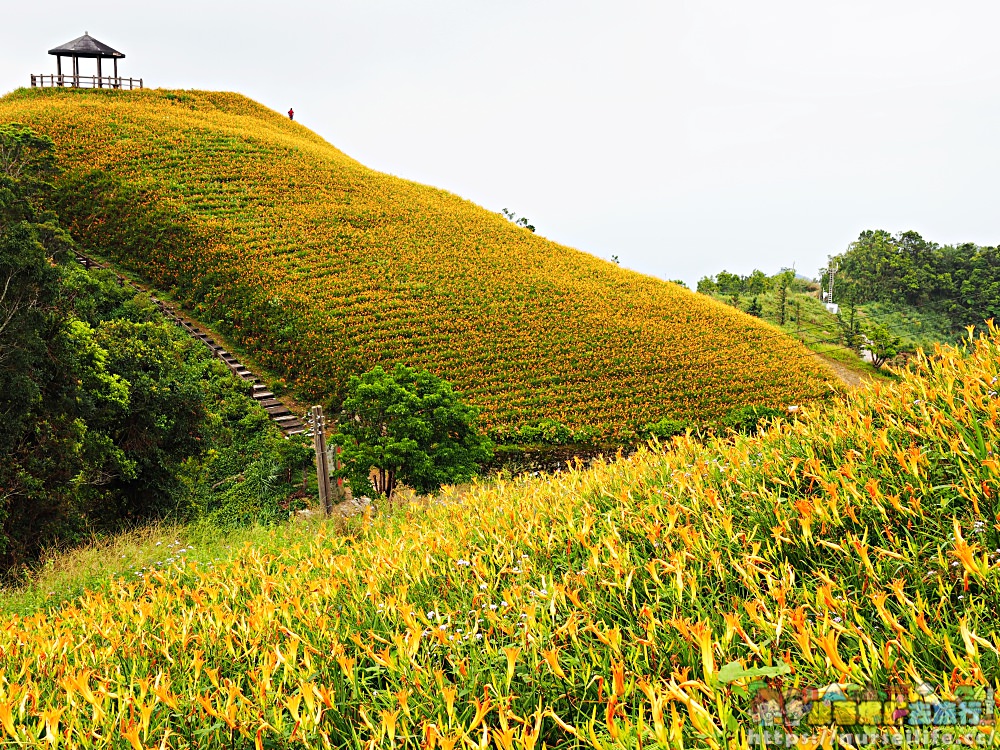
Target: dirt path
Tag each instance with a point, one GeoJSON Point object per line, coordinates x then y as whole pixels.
{"type": "Point", "coordinates": [850, 377]}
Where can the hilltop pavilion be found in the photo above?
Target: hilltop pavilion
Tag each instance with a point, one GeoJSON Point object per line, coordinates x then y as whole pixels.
{"type": "Point", "coordinates": [86, 47]}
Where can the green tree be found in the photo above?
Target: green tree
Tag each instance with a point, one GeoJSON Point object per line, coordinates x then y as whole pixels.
{"type": "Point", "coordinates": [408, 426]}
{"type": "Point", "coordinates": [754, 308]}
{"type": "Point", "coordinates": [707, 285]}
{"type": "Point", "coordinates": [781, 284]}
{"type": "Point", "coordinates": [729, 283]}
{"type": "Point", "coordinates": [110, 414]}
{"type": "Point", "coordinates": [882, 343]}
{"type": "Point", "coordinates": [44, 362]}
{"type": "Point", "coordinates": [850, 327]}
{"type": "Point", "coordinates": [756, 282]}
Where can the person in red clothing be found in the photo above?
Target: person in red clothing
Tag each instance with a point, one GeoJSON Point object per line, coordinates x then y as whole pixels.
{"type": "Point", "coordinates": [291, 113]}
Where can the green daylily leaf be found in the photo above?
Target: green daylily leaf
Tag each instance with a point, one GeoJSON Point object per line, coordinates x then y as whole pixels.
{"type": "Point", "coordinates": [735, 671]}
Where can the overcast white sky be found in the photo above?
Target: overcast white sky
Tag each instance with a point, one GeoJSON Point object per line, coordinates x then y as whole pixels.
{"type": "Point", "coordinates": [683, 136]}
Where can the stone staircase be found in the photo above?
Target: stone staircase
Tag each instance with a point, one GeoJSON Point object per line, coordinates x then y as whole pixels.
{"type": "Point", "coordinates": [282, 416]}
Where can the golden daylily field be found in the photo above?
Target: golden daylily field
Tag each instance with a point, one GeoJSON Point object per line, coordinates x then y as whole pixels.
{"type": "Point", "coordinates": [321, 268]}
{"type": "Point", "coordinates": [617, 606]}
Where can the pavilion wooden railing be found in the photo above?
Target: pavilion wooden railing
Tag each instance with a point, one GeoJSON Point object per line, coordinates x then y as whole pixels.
{"type": "Point", "coordinates": [86, 82]}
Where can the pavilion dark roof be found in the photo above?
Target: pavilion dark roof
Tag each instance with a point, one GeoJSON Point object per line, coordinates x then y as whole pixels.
{"type": "Point", "coordinates": [86, 46]}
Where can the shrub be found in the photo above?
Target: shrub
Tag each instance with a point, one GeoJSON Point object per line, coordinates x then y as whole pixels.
{"type": "Point", "coordinates": [747, 420]}
{"type": "Point", "coordinates": [663, 430]}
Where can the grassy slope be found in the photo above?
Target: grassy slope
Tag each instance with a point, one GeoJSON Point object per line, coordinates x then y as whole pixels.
{"type": "Point", "coordinates": [322, 267]}
{"type": "Point", "coordinates": [63, 576]}
{"type": "Point", "coordinates": [816, 327]}
{"type": "Point", "coordinates": [918, 327]}
{"type": "Point", "coordinates": [856, 545]}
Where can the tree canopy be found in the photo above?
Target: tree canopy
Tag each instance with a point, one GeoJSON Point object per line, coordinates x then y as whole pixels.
{"type": "Point", "coordinates": [408, 426]}
{"type": "Point", "coordinates": [959, 281]}
{"type": "Point", "coordinates": [110, 414]}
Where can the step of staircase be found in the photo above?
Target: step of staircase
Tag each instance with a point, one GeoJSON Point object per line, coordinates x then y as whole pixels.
{"type": "Point", "coordinates": [279, 413]}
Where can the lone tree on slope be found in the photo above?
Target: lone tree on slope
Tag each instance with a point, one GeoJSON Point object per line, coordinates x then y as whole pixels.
{"type": "Point", "coordinates": [408, 426]}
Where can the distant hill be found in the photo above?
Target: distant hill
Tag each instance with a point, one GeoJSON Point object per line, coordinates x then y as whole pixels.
{"type": "Point", "coordinates": [322, 268]}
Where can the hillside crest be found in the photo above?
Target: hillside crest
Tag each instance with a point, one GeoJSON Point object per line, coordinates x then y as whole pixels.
{"type": "Point", "coordinates": [322, 268]}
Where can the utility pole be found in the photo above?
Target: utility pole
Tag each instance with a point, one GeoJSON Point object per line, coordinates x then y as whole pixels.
{"type": "Point", "coordinates": [322, 460]}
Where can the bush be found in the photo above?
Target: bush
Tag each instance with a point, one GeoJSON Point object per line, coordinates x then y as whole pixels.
{"type": "Point", "coordinates": [663, 430]}
{"type": "Point", "coordinates": [545, 431]}
{"type": "Point", "coordinates": [748, 420]}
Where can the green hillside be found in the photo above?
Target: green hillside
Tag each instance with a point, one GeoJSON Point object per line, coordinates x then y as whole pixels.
{"type": "Point", "coordinates": [322, 268]}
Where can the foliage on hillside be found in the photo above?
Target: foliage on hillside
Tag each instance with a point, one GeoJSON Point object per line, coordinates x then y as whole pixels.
{"type": "Point", "coordinates": [323, 268]}
{"type": "Point", "coordinates": [907, 272]}
{"type": "Point", "coordinates": [110, 416]}
{"type": "Point", "coordinates": [597, 608]}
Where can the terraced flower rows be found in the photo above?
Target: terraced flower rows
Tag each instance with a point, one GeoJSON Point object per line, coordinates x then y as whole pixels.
{"type": "Point", "coordinates": [609, 608]}
{"type": "Point", "coordinates": [323, 268]}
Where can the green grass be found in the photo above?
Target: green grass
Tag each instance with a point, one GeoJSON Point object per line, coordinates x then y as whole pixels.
{"type": "Point", "coordinates": [65, 574]}
{"type": "Point", "coordinates": [920, 328]}
{"type": "Point", "coordinates": [808, 320]}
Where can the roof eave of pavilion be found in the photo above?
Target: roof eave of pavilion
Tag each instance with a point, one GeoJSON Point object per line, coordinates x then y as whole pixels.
{"type": "Point", "coordinates": [86, 46]}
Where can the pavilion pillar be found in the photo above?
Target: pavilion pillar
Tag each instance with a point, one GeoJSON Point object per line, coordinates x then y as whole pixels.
{"type": "Point", "coordinates": [100, 76]}
{"type": "Point", "coordinates": [118, 83]}
{"type": "Point", "coordinates": [59, 68]}
{"type": "Point", "coordinates": [76, 71]}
